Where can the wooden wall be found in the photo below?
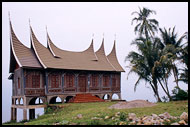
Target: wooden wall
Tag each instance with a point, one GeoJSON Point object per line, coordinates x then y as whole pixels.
{"type": "Point", "coordinates": [41, 83]}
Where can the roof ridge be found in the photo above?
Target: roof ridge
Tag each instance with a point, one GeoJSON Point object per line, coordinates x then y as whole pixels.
{"type": "Point", "coordinates": [34, 46]}
{"type": "Point", "coordinates": [49, 46]}
{"type": "Point", "coordinates": [11, 41]}
{"type": "Point", "coordinates": [21, 53]}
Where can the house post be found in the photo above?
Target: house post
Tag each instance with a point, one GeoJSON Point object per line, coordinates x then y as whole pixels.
{"type": "Point", "coordinates": [24, 114]}
{"type": "Point", "coordinates": [76, 82]}
{"type": "Point", "coordinates": [13, 113]}
{"type": "Point", "coordinates": [100, 82]}
{"type": "Point", "coordinates": [46, 81]}
{"type": "Point", "coordinates": [62, 81]}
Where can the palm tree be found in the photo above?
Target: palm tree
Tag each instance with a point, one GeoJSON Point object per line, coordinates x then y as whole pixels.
{"type": "Point", "coordinates": [143, 62]}
{"type": "Point", "coordinates": [162, 71]}
{"type": "Point", "coordinates": [184, 59]}
{"type": "Point", "coordinates": [170, 44]}
{"type": "Point", "coordinates": [145, 26]}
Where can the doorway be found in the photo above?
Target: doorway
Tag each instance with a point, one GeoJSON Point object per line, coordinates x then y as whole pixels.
{"type": "Point", "coordinates": [82, 83]}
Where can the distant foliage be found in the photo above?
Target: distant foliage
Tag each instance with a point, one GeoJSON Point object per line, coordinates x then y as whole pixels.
{"type": "Point", "coordinates": [179, 94]}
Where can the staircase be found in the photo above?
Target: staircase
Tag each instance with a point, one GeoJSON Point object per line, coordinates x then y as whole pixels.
{"type": "Point", "coordinates": [84, 98]}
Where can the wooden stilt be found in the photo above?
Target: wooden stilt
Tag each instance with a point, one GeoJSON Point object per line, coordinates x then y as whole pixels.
{"type": "Point", "coordinates": [24, 114]}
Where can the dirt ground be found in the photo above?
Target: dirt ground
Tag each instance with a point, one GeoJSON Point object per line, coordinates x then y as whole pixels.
{"type": "Point", "coordinates": [132, 104]}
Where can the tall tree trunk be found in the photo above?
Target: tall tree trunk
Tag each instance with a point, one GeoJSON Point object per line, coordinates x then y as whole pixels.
{"type": "Point", "coordinates": [175, 75]}
{"type": "Point", "coordinates": [166, 84]}
{"type": "Point", "coordinates": [155, 89]}
{"type": "Point", "coordinates": [167, 93]}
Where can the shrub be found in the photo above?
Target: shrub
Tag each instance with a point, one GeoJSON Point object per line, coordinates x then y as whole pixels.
{"type": "Point", "coordinates": [122, 116]}
{"type": "Point", "coordinates": [179, 94]}
{"type": "Point", "coordinates": [48, 110]}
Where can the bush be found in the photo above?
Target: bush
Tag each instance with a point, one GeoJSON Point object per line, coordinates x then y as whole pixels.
{"type": "Point", "coordinates": [122, 116]}
{"type": "Point", "coordinates": [48, 110]}
{"type": "Point", "coordinates": [179, 94]}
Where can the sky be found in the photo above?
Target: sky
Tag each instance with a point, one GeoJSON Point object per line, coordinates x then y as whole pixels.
{"type": "Point", "coordinates": [71, 26]}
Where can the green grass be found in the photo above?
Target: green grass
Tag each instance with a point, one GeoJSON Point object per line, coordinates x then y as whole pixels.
{"type": "Point", "coordinates": [100, 110]}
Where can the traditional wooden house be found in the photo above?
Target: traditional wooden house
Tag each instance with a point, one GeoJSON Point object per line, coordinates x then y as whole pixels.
{"type": "Point", "coordinates": [50, 72]}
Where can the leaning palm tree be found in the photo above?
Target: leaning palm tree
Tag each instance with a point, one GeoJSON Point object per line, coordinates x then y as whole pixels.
{"type": "Point", "coordinates": [145, 26]}
{"type": "Point", "coordinates": [142, 63]}
{"type": "Point", "coordinates": [170, 44]}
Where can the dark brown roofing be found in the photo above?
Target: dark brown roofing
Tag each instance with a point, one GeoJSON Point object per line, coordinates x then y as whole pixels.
{"type": "Point", "coordinates": [23, 55]}
{"type": "Point", "coordinates": [54, 57]}
{"type": "Point", "coordinates": [113, 59]}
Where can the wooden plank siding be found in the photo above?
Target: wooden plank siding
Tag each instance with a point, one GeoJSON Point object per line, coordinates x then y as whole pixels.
{"type": "Point", "coordinates": [18, 82]}
{"type": "Point", "coordinates": [37, 82]}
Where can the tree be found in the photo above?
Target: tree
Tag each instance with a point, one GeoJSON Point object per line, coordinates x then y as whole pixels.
{"type": "Point", "coordinates": [142, 62]}
{"type": "Point", "coordinates": [172, 45]}
{"type": "Point", "coordinates": [184, 59]}
{"type": "Point", "coordinates": [145, 26]}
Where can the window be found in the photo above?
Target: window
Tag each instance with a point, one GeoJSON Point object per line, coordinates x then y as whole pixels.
{"type": "Point", "coordinates": [94, 80]}
{"type": "Point", "coordinates": [35, 81]}
{"type": "Point", "coordinates": [69, 80]}
{"type": "Point", "coordinates": [105, 80]}
{"type": "Point", "coordinates": [55, 81]}
{"type": "Point", "coordinates": [18, 83]}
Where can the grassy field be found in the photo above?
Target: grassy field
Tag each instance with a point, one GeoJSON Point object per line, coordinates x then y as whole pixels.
{"type": "Point", "coordinates": [68, 114]}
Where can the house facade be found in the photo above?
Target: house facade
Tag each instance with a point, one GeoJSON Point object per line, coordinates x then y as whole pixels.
{"type": "Point", "coordinates": [50, 72]}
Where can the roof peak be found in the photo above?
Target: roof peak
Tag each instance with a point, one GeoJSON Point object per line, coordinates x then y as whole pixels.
{"type": "Point", "coordinates": [101, 49]}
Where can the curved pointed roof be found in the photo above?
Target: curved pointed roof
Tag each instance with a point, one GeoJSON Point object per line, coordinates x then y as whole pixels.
{"type": "Point", "coordinates": [113, 59]}
{"type": "Point", "coordinates": [53, 57]}
{"type": "Point", "coordinates": [66, 59]}
{"type": "Point", "coordinates": [102, 57]}
{"type": "Point", "coordinates": [57, 52]}
{"type": "Point", "coordinates": [22, 55]}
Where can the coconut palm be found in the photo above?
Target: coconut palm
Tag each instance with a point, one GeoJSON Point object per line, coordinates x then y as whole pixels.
{"type": "Point", "coordinates": [170, 44]}
{"type": "Point", "coordinates": [162, 71]}
{"type": "Point", "coordinates": [145, 26]}
{"type": "Point", "coordinates": [184, 59]}
{"type": "Point", "coordinates": [142, 63]}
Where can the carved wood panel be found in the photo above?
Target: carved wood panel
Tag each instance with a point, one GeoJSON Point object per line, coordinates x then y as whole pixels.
{"type": "Point", "coordinates": [55, 81]}
{"type": "Point", "coordinates": [69, 82]}
{"type": "Point", "coordinates": [94, 80]}
{"type": "Point", "coordinates": [115, 82]}
{"type": "Point", "coordinates": [33, 80]}
{"type": "Point", "coordinates": [106, 80]}
{"type": "Point", "coordinates": [40, 92]}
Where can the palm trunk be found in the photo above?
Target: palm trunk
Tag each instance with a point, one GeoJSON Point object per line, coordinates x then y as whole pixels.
{"type": "Point", "coordinates": [166, 82]}
{"type": "Point", "coordinates": [156, 92]}
{"type": "Point", "coordinates": [167, 92]}
{"type": "Point", "coordinates": [175, 75]}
